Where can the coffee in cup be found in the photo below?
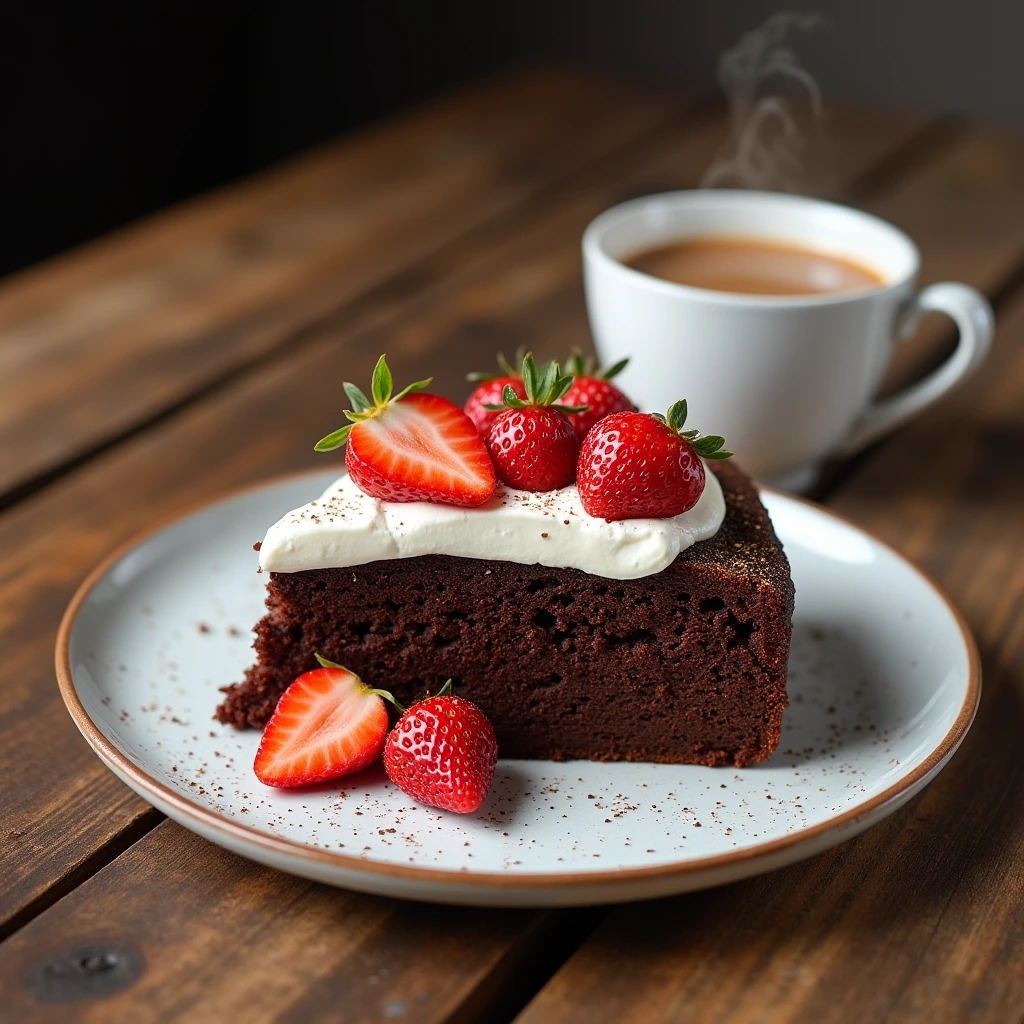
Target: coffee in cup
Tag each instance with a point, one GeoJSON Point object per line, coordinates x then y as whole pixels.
{"type": "Point", "coordinates": [788, 375]}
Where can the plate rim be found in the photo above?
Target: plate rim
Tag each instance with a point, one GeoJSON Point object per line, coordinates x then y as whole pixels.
{"type": "Point", "coordinates": [144, 782]}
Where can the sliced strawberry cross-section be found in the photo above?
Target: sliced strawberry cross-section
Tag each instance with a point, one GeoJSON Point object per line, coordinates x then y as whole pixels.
{"type": "Point", "coordinates": [328, 723]}
{"type": "Point", "coordinates": [413, 446]}
{"type": "Point", "coordinates": [423, 448]}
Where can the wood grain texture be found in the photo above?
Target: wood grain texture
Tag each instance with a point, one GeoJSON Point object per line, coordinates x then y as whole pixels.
{"type": "Point", "coordinates": [965, 210]}
{"type": "Point", "coordinates": [523, 286]}
{"type": "Point", "coordinates": [103, 339]}
{"type": "Point", "coordinates": [223, 939]}
{"type": "Point", "coordinates": [922, 917]}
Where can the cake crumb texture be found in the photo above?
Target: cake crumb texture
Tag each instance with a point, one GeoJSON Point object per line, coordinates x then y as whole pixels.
{"type": "Point", "coordinates": [685, 666]}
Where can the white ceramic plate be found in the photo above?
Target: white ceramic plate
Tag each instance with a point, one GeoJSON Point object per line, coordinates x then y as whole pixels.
{"type": "Point", "coordinates": [884, 683]}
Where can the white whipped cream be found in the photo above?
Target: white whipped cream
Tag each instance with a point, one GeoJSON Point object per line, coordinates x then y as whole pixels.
{"type": "Point", "coordinates": [347, 527]}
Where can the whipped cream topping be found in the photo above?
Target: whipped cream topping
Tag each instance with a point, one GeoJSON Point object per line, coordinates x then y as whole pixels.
{"type": "Point", "coordinates": [346, 527]}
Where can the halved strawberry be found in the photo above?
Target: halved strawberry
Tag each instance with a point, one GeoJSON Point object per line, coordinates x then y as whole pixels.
{"type": "Point", "coordinates": [328, 723]}
{"type": "Point", "coordinates": [413, 446]}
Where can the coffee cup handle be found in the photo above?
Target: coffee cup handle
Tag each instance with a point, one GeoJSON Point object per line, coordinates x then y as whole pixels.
{"type": "Point", "coordinates": [972, 314]}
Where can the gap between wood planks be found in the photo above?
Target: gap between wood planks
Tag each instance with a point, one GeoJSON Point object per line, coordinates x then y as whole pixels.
{"type": "Point", "coordinates": [99, 859]}
{"type": "Point", "coordinates": [915, 152]}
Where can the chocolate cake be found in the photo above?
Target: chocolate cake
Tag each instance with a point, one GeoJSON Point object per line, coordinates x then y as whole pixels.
{"type": "Point", "coordinates": [687, 665]}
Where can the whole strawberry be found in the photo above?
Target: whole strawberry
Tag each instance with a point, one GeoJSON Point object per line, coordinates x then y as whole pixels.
{"type": "Point", "coordinates": [490, 388]}
{"type": "Point", "coordinates": [443, 752]}
{"type": "Point", "coordinates": [412, 446]}
{"type": "Point", "coordinates": [636, 465]}
{"type": "Point", "coordinates": [594, 390]}
{"type": "Point", "coordinates": [532, 442]}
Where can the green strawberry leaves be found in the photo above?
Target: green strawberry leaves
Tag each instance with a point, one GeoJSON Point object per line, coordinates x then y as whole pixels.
{"type": "Point", "coordinates": [707, 446]}
{"type": "Point", "coordinates": [324, 663]}
{"type": "Point", "coordinates": [614, 370]}
{"type": "Point", "coordinates": [583, 366]}
{"type": "Point", "coordinates": [381, 388]}
{"type": "Point", "coordinates": [677, 415]}
{"type": "Point", "coordinates": [710, 447]}
{"type": "Point", "coordinates": [360, 403]}
{"type": "Point", "coordinates": [509, 400]}
{"type": "Point", "coordinates": [543, 385]}
{"type": "Point", "coordinates": [507, 369]}
{"type": "Point", "coordinates": [333, 440]}
{"type": "Point", "coordinates": [386, 694]}
{"type": "Point", "coordinates": [381, 385]}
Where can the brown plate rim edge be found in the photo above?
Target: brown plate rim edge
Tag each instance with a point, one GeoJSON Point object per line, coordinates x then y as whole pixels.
{"type": "Point", "coordinates": [289, 848]}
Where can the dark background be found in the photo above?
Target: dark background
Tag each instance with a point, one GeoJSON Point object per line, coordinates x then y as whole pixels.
{"type": "Point", "coordinates": [109, 110]}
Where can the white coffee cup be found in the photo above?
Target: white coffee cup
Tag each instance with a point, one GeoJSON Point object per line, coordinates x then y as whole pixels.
{"type": "Point", "coordinates": [787, 379]}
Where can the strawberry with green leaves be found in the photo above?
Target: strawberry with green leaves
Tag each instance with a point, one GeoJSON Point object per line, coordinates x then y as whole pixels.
{"type": "Point", "coordinates": [636, 465]}
{"type": "Point", "coordinates": [531, 441]}
{"type": "Point", "coordinates": [593, 389]}
{"type": "Point", "coordinates": [490, 387]}
{"type": "Point", "coordinates": [412, 446]}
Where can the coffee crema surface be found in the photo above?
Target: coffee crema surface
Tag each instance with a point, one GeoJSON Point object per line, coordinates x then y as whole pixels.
{"type": "Point", "coordinates": [753, 266]}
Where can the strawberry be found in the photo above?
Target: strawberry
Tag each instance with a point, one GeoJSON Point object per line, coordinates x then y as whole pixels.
{"type": "Point", "coordinates": [636, 465]}
{"type": "Point", "coordinates": [594, 390]}
{"type": "Point", "coordinates": [489, 391]}
{"type": "Point", "coordinates": [532, 442]}
{"type": "Point", "coordinates": [413, 446]}
{"type": "Point", "coordinates": [443, 753]}
{"type": "Point", "coordinates": [328, 723]}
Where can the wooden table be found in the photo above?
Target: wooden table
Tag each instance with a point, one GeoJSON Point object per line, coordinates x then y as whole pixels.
{"type": "Point", "coordinates": [203, 348]}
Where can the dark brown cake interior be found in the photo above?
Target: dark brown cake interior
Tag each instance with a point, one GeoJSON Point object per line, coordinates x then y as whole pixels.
{"type": "Point", "coordinates": [685, 666]}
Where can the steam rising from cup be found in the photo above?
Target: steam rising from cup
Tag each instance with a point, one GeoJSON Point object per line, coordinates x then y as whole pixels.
{"type": "Point", "coordinates": [769, 92]}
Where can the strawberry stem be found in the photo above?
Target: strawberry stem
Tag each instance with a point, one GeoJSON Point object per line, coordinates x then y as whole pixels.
{"type": "Point", "coordinates": [583, 366]}
{"type": "Point", "coordinates": [390, 699]}
{"type": "Point", "coordinates": [381, 387]}
{"type": "Point", "coordinates": [507, 369]}
{"type": "Point", "coordinates": [707, 446]}
{"type": "Point", "coordinates": [327, 663]}
{"type": "Point", "coordinates": [543, 385]}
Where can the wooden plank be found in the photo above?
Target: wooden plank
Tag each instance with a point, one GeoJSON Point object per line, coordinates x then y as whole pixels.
{"type": "Point", "coordinates": [922, 917]}
{"type": "Point", "coordinates": [965, 210]}
{"type": "Point", "coordinates": [101, 340]}
{"type": "Point", "coordinates": [524, 286]}
{"type": "Point", "coordinates": [218, 938]}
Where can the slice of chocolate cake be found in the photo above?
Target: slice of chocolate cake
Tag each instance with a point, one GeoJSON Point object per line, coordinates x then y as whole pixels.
{"type": "Point", "coordinates": [686, 664]}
